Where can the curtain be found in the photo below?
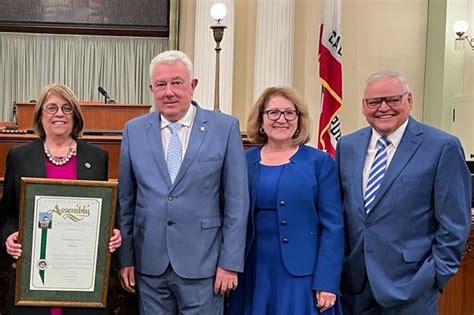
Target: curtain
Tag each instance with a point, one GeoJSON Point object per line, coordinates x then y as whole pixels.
{"type": "Point", "coordinates": [118, 64]}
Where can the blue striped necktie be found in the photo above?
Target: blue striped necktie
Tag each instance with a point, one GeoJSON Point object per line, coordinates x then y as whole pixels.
{"type": "Point", "coordinates": [173, 159]}
{"type": "Point", "coordinates": [376, 174]}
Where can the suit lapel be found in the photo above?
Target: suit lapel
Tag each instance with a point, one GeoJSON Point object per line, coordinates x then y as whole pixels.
{"type": "Point", "coordinates": [85, 166]}
{"type": "Point", "coordinates": [360, 151]}
{"type": "Point", "coordinates": [198, 133]}
{"type": "Point", "coordinates": [153, 134]}
{"type": "Point", "coordinates": [37, 165]}
{"type": "Point", "coordinates": [253, 173]}
{"type": "Point", "coordinates": [408, 146]}
{"type": "Point", "coordinates": [82, 159]}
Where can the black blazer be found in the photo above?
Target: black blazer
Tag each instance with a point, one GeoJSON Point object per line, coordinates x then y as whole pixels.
{"type": "Point", "coordinates": [29, 160]}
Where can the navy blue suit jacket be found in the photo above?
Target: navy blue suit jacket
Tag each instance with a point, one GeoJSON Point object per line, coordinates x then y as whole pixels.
{"type": "Point", "coordinates": [412, 240]}
{"type": "Point", "coordinates": [310, 215]}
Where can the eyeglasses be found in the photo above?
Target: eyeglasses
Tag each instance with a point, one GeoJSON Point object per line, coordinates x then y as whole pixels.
{"type": "Point", "coordinates": [392, 101]}
{"type": "Point", "coordinates": [53, 109]}
{"type": "Point", "coordinates": [274, 114]}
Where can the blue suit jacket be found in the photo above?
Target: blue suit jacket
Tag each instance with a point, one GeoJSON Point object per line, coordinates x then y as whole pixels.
{"type": "Point", "coordinates": [310, 215]}
{"type": "Point", "coordinates": [413, 238]}
{"type": "Point", "coordinates": [199, 222]}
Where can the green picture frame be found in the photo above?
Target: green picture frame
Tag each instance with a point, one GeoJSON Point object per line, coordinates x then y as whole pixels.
{"type": "Point", "coordinates": [64, 229]}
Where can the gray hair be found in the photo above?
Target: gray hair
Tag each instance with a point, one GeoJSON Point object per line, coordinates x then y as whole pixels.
{"type": "Point", "coordinates": [172, 56]}
{"type": "Point", "coordinates": [387, 74]}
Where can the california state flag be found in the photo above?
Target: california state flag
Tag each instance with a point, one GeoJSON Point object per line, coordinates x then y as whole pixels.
{"type": "Point", "coordinates": [330, 75]}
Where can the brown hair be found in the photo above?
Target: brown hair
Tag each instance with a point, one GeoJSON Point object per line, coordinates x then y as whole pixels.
{"type": "Point", "coordinates": [67, 94]}
{"type": "Point", "coordinates": [255, 118]}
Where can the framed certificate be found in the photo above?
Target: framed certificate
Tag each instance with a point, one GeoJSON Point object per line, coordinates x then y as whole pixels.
{"type": "Point", "coordinates": [64, 229]}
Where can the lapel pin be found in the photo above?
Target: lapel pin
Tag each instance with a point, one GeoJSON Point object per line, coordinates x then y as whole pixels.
{"type": "Point", "coordinates": [87, 165]}
{"type": "Point", "coordinates": [202, 128]}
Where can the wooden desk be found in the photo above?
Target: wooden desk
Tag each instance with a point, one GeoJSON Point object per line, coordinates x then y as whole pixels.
{"type": "Point", "coordinates": [97, 116]}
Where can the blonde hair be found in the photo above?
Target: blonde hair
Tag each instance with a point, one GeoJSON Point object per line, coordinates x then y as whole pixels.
{"type": "Point", "coordinates": [65, 93]}
{"type": "Point", "coordinates": [255, 118]}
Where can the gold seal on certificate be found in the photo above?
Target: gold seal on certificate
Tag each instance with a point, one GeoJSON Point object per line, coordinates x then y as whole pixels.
{"type": "Point", "coordinates": [42, 264]}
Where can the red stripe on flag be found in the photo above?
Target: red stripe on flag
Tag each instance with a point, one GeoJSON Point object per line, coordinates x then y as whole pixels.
{"type": "Point", "coordinates": [329, 110]}
{"type": "Point", "coordinates": [330, 70]}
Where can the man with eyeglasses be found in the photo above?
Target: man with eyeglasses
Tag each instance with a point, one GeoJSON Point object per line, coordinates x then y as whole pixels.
{"type": "Point", "coordinates": [406, 195]}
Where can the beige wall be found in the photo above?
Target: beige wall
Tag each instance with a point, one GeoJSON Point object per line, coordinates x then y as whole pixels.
{"type": "Point", "coordinates": [377, 34]}
{"type": "Point", "coordinates": [468, 87]}
{"type": "Point", "coordinates": [382, 34]}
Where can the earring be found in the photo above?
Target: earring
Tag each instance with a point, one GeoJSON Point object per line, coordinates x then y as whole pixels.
{"type": "Point", "coordinates": [261, 131]}
{"type": "Point", "coordinates": [296, 133]}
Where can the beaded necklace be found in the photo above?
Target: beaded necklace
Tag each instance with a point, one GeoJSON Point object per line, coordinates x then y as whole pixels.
{"type": "Point", "coordinates": [59, 160]}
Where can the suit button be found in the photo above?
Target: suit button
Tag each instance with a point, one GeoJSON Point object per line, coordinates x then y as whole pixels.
{"type": "Point", "coordinates": [283, 222]}
{"type": "Point", "coordinates": [170, 223]}
{"type": "Point", "coordinates": [282, 203]}
{"type": "Point", "coordinates": [367, 225]}
{"type": "Point", "coordinates": [170, 198]}
{"type": "Point", "coordinates": [285, 240]}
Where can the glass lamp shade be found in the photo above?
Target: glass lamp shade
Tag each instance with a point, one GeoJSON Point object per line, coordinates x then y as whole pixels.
{"type": "Point", "coordinates": [218, 11]}
{"type": "Point", "coordinates": [460, 26]}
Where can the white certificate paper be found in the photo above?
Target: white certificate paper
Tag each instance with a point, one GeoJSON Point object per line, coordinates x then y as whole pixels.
{"type": "Point", "coordinates": [65, 242]}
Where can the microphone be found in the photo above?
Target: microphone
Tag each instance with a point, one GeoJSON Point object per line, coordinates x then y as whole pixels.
{"type": "Point", "coordinates": [104, 94]}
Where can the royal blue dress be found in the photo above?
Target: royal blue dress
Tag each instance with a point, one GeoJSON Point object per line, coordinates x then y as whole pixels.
{"type": "Point", "coordinates": [266, 287]}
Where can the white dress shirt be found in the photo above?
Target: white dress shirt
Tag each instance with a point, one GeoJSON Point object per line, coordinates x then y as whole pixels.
{"type": "Point", "coordinates": [394, 138]}
{"type": "Point", "coordinates": [187, 122]}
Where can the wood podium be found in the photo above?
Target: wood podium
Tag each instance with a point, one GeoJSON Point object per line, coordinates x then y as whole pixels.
{"type": "Point", "coordinates": [98, 117]}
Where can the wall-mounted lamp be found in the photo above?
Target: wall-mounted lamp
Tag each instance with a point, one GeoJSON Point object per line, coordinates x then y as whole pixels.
{"type": "Point", "coordinates": [460, 27]}
{"type": "Point", "coordinates": [218, 12]}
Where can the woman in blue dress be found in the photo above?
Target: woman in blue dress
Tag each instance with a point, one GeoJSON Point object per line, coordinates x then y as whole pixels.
{"type": "Point", "coordinates": [295, 235]}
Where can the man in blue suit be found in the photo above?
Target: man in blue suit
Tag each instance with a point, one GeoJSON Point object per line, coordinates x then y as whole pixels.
{"type": "Point", "coordinates": [183, 198]}
{"type": "Point", "coordinates": [407, 214]}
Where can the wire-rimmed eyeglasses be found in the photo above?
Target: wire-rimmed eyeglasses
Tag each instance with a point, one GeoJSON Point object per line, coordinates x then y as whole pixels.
{"type": "Point", "coordinates": [53, 109]}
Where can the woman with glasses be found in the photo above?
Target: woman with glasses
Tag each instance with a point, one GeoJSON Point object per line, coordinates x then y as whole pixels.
{"type": "Point", "coordinates": [59, 154]}
{"type": "Point", "coordinates": [295, 236]}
